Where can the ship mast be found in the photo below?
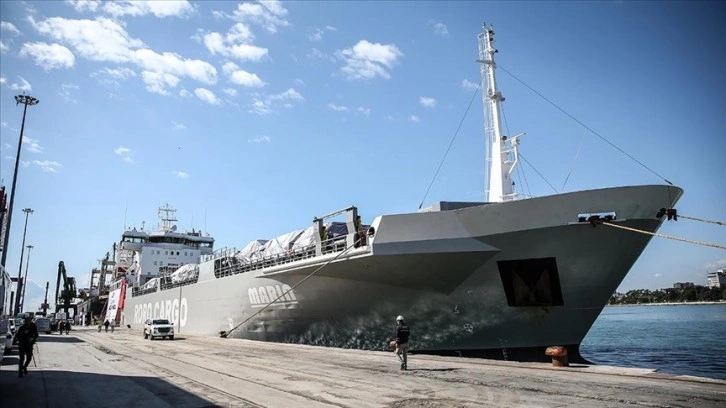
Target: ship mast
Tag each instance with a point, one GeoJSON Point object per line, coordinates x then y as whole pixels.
{"type": "Point", "coordinates": [502, 153]}
{"type": "Point", "coordinates": [167, 218]}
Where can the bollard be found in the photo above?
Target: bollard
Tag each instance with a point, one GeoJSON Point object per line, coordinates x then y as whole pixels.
{"type": "Point", "coordinates": [559, 356]}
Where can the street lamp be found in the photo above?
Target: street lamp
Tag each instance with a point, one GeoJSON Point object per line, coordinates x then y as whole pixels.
{"type": "Point", "coordinates": [25, 280]}
{"type": "Point", "coordinates": [27, 212]}
{"type": "Point", "coordinates": [25, 100]}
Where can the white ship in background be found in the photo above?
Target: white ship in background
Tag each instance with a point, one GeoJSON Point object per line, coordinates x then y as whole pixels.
{"type": "Point", "coordinates": [146, 256]}
{"type": "Point", "coordinates": [504, 279]}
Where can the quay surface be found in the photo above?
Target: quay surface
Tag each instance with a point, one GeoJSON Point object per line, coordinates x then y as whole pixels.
{"type": "Point", "coordinates": [121, 369]}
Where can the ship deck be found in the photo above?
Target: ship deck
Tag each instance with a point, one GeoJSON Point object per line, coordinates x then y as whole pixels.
{"type": "Point", "coordinates": [123, 369]}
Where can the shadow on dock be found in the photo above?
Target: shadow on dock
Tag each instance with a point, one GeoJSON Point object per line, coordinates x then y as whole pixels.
{"type": "Point", "coordinates": [55, 387]}
{"type": "Point", "coordinates": [58, 388]}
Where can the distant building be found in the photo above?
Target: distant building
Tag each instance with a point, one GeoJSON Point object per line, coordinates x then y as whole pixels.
{"type": "Point", "coordinates": [717, 279]}
{"type": "Point", "coordinates": [682, 285]}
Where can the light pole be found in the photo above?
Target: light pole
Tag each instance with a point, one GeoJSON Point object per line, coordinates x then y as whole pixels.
{"type": "Point", "coordinates": [25, 279]}
{"type": "Point", "coordinates": [25, 100]}
{"type": "Point", "coordinates": [27, 212]}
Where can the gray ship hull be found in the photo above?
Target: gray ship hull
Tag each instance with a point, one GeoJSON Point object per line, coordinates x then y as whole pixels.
{"type": "Point", "coordinates": [509, 278]}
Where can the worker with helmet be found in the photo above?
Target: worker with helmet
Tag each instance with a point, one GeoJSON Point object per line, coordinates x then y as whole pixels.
{"type": "Point", "coordinates": [402, 332]}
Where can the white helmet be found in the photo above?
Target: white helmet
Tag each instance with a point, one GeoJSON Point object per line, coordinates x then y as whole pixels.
{"type": "Point", "coordinates": [399, 318]}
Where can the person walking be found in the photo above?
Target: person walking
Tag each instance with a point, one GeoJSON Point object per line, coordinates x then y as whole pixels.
{"type": "Point", "coordinates": [401, 333]}
{"type": "Point", "coordinates": [68, 327]}
{"type": "Point", "coordinates": [25, 336]}
{"type": "Point", "coordinates": [106, 324]}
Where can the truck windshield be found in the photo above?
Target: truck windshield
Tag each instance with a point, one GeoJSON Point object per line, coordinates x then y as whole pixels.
{"type": "Point", "coordinates": [161, 321]}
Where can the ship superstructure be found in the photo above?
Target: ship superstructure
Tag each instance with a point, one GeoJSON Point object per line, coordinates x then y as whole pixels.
{"type": "Point", "coordinates": [143, 256]}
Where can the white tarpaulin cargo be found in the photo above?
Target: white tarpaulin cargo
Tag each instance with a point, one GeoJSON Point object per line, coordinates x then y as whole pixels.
{"type": "Point", "coordinates": [252, 252]}
{"type": "Point", "coordinates": [305, 240]}
{"type": "Point", "coordinates": [186, 272]}
{"type": "Point", "coordinates": [281, 245]}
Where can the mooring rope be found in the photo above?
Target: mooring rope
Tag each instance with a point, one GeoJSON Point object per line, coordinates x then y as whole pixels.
{"type": "Point", "coordinates": [702, 220]}
{"type": "Point", "coordinates": [655, 234]}
{"type": "Point", "coordinates": [224, 334]}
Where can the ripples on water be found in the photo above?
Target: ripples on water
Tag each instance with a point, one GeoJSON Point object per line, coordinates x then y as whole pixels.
{"type": "Point", "coordinates": [681, 339]}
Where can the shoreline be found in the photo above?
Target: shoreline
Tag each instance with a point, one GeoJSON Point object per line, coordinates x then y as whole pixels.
{"type": "Point", "coordinates": [667, 304]}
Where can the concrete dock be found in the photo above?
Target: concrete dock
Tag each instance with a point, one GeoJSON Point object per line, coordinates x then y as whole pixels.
{"type": "Point", "coordinates": [121, 369]}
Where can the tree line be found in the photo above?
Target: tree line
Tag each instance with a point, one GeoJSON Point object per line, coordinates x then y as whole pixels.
{"type": "Point", "coordinates": [690, 294]}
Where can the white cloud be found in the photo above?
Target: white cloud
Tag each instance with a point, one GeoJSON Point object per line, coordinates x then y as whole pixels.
{"type": "Point", "coordinates": [317, 34]}
{"type": "Point", "coordinates": [242, 77]}
{"type": "Point", "coordinates": [207, 96]}
{"type": "Point", "coordinates": [84, 5]}
{"type": "Point", "coordinates": [260, 139]}
{"type": "Point", "coordinates": [3, 47]}
{"type": "Point", "coordinates": [260, 107]}
{"type": "Point", "coordinates": [3, 124]}
{"type": "Point", "coordinates": [48, 56]}
{"type": "Point", "coordinates": [289, 95]}
{"type": "Point", "coordinates": [66, 90]}
{"type": "Point", "coordinates": [125, 154]}
{"type": "Point", "coordinates": [364, 111]}
{"type": "Point", "coordinates": [113, 75]}
{"type": "Point", "coordinates": [32, 145]}
{"type": "Point", "coordinates": [161, 9]}
{"type": "Point", "coordinates": [158, 82]}
{"type": "Point", "coordinates": [388, 117]}
{"type": "Point", "coordinates": [180, 174]}
{"type": "Point", "coordinates": [184, 93]}
{"type": "Point", "coordinates": [317, 54]}
{"type": "Point", "coordinates": [3, 79]}
{"type": "Point", "coordinates": [439, 28]}
{"type": "Point", "coordinates": [101, 39]}
{"type": "Point", "coordinates": [266, 106]}
{"type": "Point", "coordinates": [47, 165]}
{"type": "Point", "coordinates": [427, 102]}
{"type": "Point", "coordinates": [268, 14]}
{"type": "Point", "coordinates": [178, 126]}
{"type": "Point", "coordinates": [172, 63]}
{"type": "Point", "coordinates": [367, 60]}
{"type": "Point", "coordinates": [237, 43]}
{"type": "Point", "coordinates": [8, 26]}
{"type": "Point", "coordinates": [23, 85]}
{"type": "Point", "coordinates": [106, 40]}
{"type": "Point", "coordinates": [469, 86]}
{"type": "Point", "coordinates": [299, 82]}
{"type": "Point", "coordinates": [658, 275]}
{"type": "Point", "coordinates": [119, 73]}
{"type": "Point", "coordinates": [414, 118]}
{"type": "Point", "coordinates": [337, 108]}
{"type": "Point", "coordinates": [230, 91]}
{"type": "Point", "coordinates": [713, 266]}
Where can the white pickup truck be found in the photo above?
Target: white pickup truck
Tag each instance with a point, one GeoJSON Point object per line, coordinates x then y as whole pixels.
{"type": "Point", "coordinates": [154, 328]}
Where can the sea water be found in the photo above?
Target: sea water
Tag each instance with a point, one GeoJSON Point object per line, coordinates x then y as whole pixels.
{"type": "Point", "coordinates": [679, 339]}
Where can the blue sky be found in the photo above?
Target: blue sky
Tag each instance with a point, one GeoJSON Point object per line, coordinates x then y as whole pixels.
{"type": "Point", "coordinates": [252, 118]}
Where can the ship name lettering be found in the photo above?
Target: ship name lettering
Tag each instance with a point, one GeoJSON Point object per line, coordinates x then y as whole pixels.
{"type": "Point", "coordinates": [174, 310]}
{"type": "Point", "coordinates": [263, 295]}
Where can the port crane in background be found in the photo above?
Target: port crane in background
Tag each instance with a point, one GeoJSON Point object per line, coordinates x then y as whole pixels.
{"type": "Point", "coordinates": [67, 294]}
